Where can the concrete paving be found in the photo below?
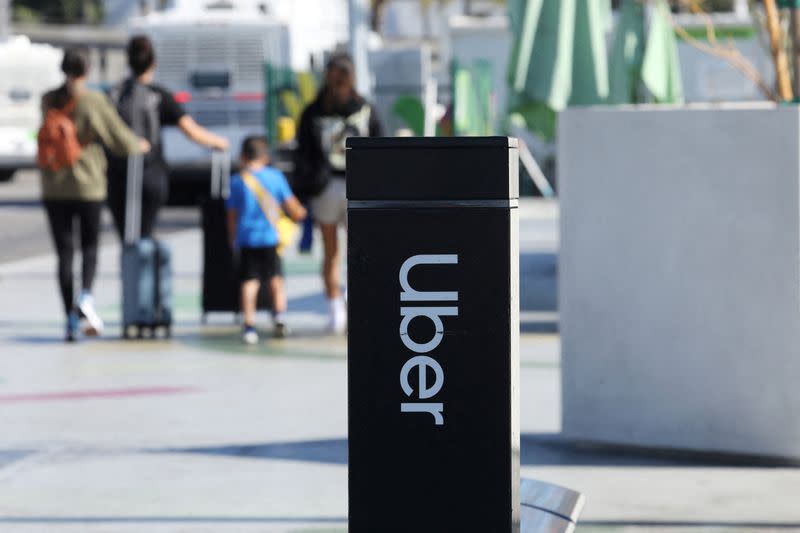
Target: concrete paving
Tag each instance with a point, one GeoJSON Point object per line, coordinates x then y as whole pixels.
{"type": "Point", "coordinates": [203, 434]}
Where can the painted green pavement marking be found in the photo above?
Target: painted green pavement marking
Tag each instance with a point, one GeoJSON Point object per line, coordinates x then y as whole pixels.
{"type": "Point", "coordinates": [301, 265]}
{"type": "Point", "coordinates": [186, 301]}
{"type": "Point", "coordinates": [181, 302]}
{"type": "Point", "coordinates": [310, 347]}
{"type": "Point", "coordinates": [296, 347]}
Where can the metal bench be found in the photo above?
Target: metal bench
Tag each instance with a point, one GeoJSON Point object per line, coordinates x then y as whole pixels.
{"type": "Point", "coordinates": [547, 508]}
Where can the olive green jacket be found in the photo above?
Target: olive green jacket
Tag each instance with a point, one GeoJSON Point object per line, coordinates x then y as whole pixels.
{"type": "Point", "coordinates": [98, 125]}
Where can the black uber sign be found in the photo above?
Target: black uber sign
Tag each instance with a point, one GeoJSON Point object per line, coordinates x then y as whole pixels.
{"type": "Point", "coordinates": [433, 340]}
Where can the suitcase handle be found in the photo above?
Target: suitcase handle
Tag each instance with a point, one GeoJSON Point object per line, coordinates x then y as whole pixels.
{"type": "Point", "coordinates": [133, 198]}
{"type": "Point", "coordinates": [220, 174]}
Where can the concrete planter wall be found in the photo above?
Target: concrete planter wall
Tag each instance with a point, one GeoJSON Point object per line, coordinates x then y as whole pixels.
{"type": "Point", "coordinates": [680, 277]}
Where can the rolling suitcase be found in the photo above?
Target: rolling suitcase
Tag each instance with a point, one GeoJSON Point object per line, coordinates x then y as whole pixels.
{"type": "Point", "coordinates": [146, 269]}
{"type": "Point", "coordinates": [220, 268]}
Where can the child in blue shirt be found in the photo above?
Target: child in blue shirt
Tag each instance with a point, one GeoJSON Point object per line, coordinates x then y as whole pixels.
{"type": "Point", "coordinates": [257, 194]}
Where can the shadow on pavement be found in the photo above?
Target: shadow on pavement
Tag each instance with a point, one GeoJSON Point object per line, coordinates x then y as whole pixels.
{"type": "Point", "coordinates": [40, 339]}
{"type": "Point", "coordinates": [21, 203]}
{"type": "Point", "coordinates": [62, 520]}
{"type": "Point", "coordinates": [50, 276]}
{"type": "Point", "coordinates": [538, 281]}
{"type": "Point", "coordinates": [552, 449]}
{"type": "Point", "coordinates": [311, 303]}
{"type": "Point", "coordinates": [331, 451]}
{"type": "Point", "coordinates": [10, 456]}
{"type": "Point", "coordinates": [538, 324]}
{"type": "Point", "coordinates": [695, 524]}
{"type": "Point", "coordinates": [537, 449]}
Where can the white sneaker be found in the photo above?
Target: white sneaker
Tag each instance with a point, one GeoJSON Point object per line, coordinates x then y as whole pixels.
{"type": "Point", "coordinates": [94, 324]}
{"type": "Point", "coordinates": [338, 316]}
{"type": "Point", "coordinates": [249, 335]}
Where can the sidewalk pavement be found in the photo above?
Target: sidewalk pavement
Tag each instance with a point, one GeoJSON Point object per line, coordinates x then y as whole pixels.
{"type": "Point", "coordinates": [204, 434]}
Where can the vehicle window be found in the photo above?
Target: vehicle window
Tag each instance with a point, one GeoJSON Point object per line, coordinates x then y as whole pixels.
{"type": "Point", "coordinates": [19, 95]}
{"type": "Point", "coordinates": [210, 80]}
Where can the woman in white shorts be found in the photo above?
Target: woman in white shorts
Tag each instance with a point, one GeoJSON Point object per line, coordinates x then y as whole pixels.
{"type": "Point", "coordinates": [337, 113]}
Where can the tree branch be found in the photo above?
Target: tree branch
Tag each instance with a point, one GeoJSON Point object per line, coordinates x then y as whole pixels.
{"type": "Point", "coordinates": [729, 53]}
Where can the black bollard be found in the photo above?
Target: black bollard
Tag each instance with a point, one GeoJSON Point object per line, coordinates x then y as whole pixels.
{"type": "Point", "coordinates": [433, 349]}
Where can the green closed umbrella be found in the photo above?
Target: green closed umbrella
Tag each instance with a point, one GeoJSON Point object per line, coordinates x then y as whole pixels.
{"type": "Point", "coordinates": [627, 54]}
{"type": "Point", "coordinates": [661, 70]}
{"type": "Point", "coordinates": [473, 99]}
{"type": "Point", "coordinates": [559, 57]}
{"type": "Point", "coordinates": [645, 58]}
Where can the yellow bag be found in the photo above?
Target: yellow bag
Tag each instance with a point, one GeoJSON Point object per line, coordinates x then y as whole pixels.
{"type": "Point", "coordinates": [286, 228]}
{"type": "Point", "coordinates": [288, 232]}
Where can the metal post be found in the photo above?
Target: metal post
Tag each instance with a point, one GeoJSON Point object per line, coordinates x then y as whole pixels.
{"type": "Point", "coordinates": [431, 101]}
{"type": "Point", "coordinates": [359, 37]}
{"type": "Point", "coordinates": [795, 31]}
{"type": "Point", "coordinates": [5, 19]}
{"type": "Point", "coordinates": [433, 345]}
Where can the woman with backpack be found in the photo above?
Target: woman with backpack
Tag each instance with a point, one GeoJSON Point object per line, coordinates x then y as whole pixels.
{"type": "Point", "coordinates": [77, 124]}
{"type": "Point", "coordinates": [337, 113]}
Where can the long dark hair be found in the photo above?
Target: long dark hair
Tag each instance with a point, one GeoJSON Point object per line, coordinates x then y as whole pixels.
{"type": "Point", "coordinates": [75, 64]}
{"type": "Point", "coordinates": [340, 62]}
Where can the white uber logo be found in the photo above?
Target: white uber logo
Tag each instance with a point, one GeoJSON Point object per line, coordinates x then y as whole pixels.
{"type": "Point", "coordinates": [422, 363]}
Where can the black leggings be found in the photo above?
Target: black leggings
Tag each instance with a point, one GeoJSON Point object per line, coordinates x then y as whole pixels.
{"type": "Point", "coordinates": [62, 215]}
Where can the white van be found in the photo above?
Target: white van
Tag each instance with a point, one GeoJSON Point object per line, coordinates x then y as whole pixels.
{"type": "Point", "coordinates": [28, 71]}
{"type": "Point", "coordinates": [211, 54]}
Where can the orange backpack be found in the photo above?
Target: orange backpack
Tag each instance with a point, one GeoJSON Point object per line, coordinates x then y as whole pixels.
{"type": "Point", "coordinates": [59, 147]}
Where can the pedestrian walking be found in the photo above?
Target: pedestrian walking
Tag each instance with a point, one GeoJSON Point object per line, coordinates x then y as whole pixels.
{"type": "Point", "coordinates": [147, 107]}
{"type": "Point", "coordinates": [257, 196]}
{"type": "Point", "coordinates": [77, 124]}
{"type": "Point", "coordinates": [337, 113]}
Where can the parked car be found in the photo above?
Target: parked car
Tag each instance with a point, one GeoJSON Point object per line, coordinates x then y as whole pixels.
{"type": "Point", "coordinates": [29, 70]}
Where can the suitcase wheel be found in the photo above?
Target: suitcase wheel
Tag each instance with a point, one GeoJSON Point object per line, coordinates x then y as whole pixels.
{"type": "Point", "coordinates": [146, 332]}
{"type": "Point", "coordinates": [130, 331]}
